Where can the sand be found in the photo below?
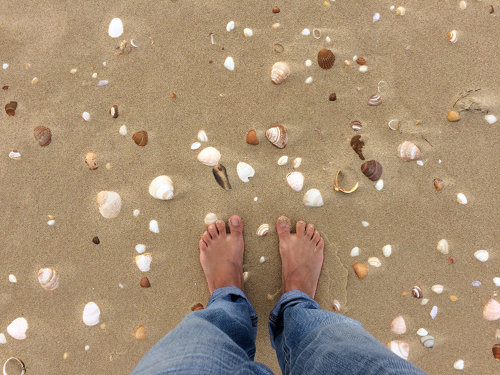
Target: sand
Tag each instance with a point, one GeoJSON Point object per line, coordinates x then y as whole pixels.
{"type": "Point", "coordinates": [423, 73]}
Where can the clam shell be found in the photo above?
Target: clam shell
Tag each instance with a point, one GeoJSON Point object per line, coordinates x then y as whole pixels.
{"type": "Point", "coordinates": [244, 171]}
{"type": "Point", "coordinates": [400, 348]}
{"type": "Point", "coordinates": [202, 136]}
{"type": "Point", "coordinates": [408, 151]}
{"type": "Point", "coordinates": [416, 291]}
{"type": "Point", "coordinates": [91, 314]}
{"type": "Point", "coordinates": [461, 198]}
{"type": "Point", "coordinates": [481, 255]}
{"type": "Point", "coordinates": [374, 100]}
{"type": "Point", "coordinates": [10, 108]}
{"type": "Point", "coordinates": [17, 329]}
{"type": "Point", "coordinates": [143, 261]}
{"type": "Point", "coordinates": [115, 28]}
{"type": "Point", "coordinates": [496, 351]}
{"type": "Point", "coordinates": [209, 156]}
{"type": "Point", "coordinates": [210, 218]}
{"type": "Point", "coordinates": [283, 160]}
{"type": "Point", "coordinates": [277, 135]}
{"type": "Point", "coordinates": [296, 162]}
{"type": "Point", "coordinates": [140, 248]}
{"type": "Point", "coordinates": [252, 138]}
{"type": "Point", "coordinates": [313, 198]}
{"type": "Point", "coordinates": [360, 269]}
{"type": "Point", "coordinates": [491, 310]}
{"type": "Point", "coordinates": [229, 63]}
{"type": "Point", "coordinates": [372, 169]}
{"type": "Point", "coordinates": [422, 332]}
{"type": "Point", "coordinates": [374, 262]}
{"type": "Point", "coordinates": [443, 247]}
{"type": "Point", "coordinates": [326, 58]}
{"type": "Point", "coordinates": [452, 36]}
{"type": "Point", "coordinates": [459, 364]}
{"type": "Point", "coordinates": [109, 203]}
{"type": "Point", "coordinates": [427, 341]}
{"type": "Point", "coordinates": [434, 312]}
{"type": "Point", "coordinates": [113, 111]}
{"type": "Point", "coordinates": [262, 230]}
{"type": "Point", "coordinates": [195, 146]}
{"type": "Point", "coordinates": [438, 184]}
{"type": "Point", "coordinates": [162, 188]}
{"type": "Point", "coordinates": [140, 138]}
{"type": "Point", "coordinates": [438, 288]}
{"type": "Point", "coordinates": [144, 282]}
{"type": "Point", "coordinates": [43, 135]}
{"type": "Point", "coordinates": [295, 180]}
{"type": "Point", "coordinates": [356, 125]}
{"type": "Point", "coordinates": [153, 226]}
{"type": "Point", "coordinates": [48, 278]}
{"type": "Point", "coordinates": [280, 72]}
{"type": "Point", "coordinates": [220, 175]}
{"type": "Point", "coordinates": [355, 251]}
{"type": "Point", "coordinates": [398, 325]}
{"type": "Point", "coordinates": [91, 160]}
{"type": "Point", "coordinates": [453, 116]}
{"type": "Point", "coordinates": [387, 250]}
{"type": "Point", "coordinates": [140, 333]}
{"type": "Point", "coordinates": [490, 119]}
{"type": "Point", "coordinates": [86, 116]}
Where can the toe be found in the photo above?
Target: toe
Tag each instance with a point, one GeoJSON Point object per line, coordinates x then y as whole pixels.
{"type": "Point", "coordinates": [202, 244]}
{"type": "Point", "coordinates": [300, 228]}
{"type": "Point", "coordinates": [213, 231]}
{"type": "Point", "coordinates": [235, 224]}
{"type": "Point", "coordinates": [206, 237]}
{"type": "Point", "coordinates": [221, 228]}
{"type": "Point", "coordinates": [283, 226]}
{"type": "Point", "coordinates": [309, 231]}
{"type": "Point", "coordinates": [316, 237]}
{"type": "Point", "coordinates": [321, 244]}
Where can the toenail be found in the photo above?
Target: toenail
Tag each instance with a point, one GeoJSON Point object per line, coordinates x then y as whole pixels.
{"type": "Point", "coordinates": [235, 221]}
{"type": "Point", "coordinates": [283, 224]}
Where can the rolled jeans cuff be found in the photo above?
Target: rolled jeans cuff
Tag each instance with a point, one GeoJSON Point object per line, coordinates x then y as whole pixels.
{"type": "Point", "coordinates": [291, 298]}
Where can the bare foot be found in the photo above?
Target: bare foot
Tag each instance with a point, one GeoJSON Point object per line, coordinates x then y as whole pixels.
{"type": "Point", "coordinates": [221, 254]}
{"type": "Point", "coordinates": [301, 256]}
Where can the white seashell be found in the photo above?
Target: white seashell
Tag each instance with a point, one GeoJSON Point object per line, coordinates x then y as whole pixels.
{"type": "Point", "coordinates": [115, 28]}
{"type": "Point", "coordinates": [376, 17]}
{"type": "Point", "coordinates": [461, 198]}
{"type": "Point", "coordinates": [452, 36]}
{"type": "Point", "coordinates": [123, 129]}
{"type": "Point", "coordinates": [443, 246]}
{"type": "Point", "coordinates": [387, 250]}
{"type": "Point", "coordinates": [209, 156]}
{"type": "Point", "coordinates": [102, 82]}
{"type": "Point", "coordinates": [363, 68]}
{"type": "Point", "coordinates": [73, 71]}
{"type": "Point", "coordinates": [12, 278]}
{"type": "Point", "coordinates": [48, 278]}
{"type": "Point", "coordinates": [136, 212]}
{"type": "Point", "coordinates": [424, 301]}
{"type": "Point", "coordinates": [420, 163]}
{"type": "Point", "coordinates": [109, 203]}
{"type": "Point", "coordinates": [400, 11]}
{"type": "Point", "coordinates": [229, 63]}
{"type": "Point", "coordinates": [295, 180]}
{"type": "Point", "coordinates": [51, 222]}
{"type": "Point", "coordinates": [91, 314]}
{"type": "Point", "coordinates": [496, 281]}
{"type": "Point", "coordinates": [306, 32]}
{"type": "Point", "coordinates": [143, 262]}
{"type": "Point", "coordinates": [408, 151]}
{"type": "Point", "coordinates": [490, 119]}
{"type": "Point", "coordinates": [86, 116]}
{"type": "Point", "coordinates": [262, 260]}
{"type": "Point", "coordinates": [140, 248]}
{"type": "Point", "coordinates": [355, 251]}
{"type": "Point", "coordinates": [297, 162]}
{"type": "Point", "coordinates": [438, 288]}
{"type": "Point", "coordinates": [246, 275]}
{"type": "Point", "coordinates": [278, 136]}
{"type": "Point", "coordinates": [3, 339]}
{"type": "Point", "coordinates": [274, 26]}
{"type": "Point", "coordinates": [482, 255]}
{"type": "Point", "coordinates": [162, 188]}
{"type": "Point", "coordinates": [400, 348]}
{"type": "Point", "coordinates": [328, 39]}
{"type": "Point", "coordinates": [248, 32]}
{"type": "Point", "coordinates": [280, 72]}
{"type": "Point", "coordinates": [313, 198]}
{"type": "Point", "coordinates": [230, 26]}
{"type": "Point", "coordinates": [398, 325]}
{"type": "Point", "coordinates": [462, 4]}
{"type": "Point", "coordinates": [195, 146]}
{"type": "Point", "coordinates": [491, 310]}
{"type": "Point", "coordinates": [202, 136]}
{"type": "Point", "coordinates": [153, 226]}
{"type": "Point", "coordinates": [5, 65]}
{"type": "Point", "coordinates": [210, 218]}
{"type": "Point", "coordinates": [308, 80]}
{"type": "Point", "coordinates": [308, 63]}
{"type": "Point", "coordinates": [374, 261]}
{"type": "Point", "coordinates": [434, 312]}
{"type": "Point", "coordinates": [244, 171]}
{"type": "Point", "coordinates": [365, 223]}
{"type": "Point", "coordinates": [422, 332]}
{"type": "Point", "coordinates": [262, 230]}
{"type": "Point", "coordinates": [17, 329]}
{"type": "Point", "coordinates": [283, 160]}
{"type": "Point", "coordinates": [14, 155]}
{"type": "Point", "coordinates": [459, 364]}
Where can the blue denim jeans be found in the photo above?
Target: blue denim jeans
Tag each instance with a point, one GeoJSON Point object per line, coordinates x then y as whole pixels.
{"type": "Point", "coordinates": [221, 340]}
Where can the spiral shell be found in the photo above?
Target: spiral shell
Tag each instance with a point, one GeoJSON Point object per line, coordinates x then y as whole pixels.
{"type": "Point", "coordinates": [162, 187]}
{"type": "Point", "coordinates": [372, 169]}
{"type": "Point", "coordinates": [375, 99]}
{"type": "Point", "coordinates": [408, 151]}
{"type": "Point", "coordinates": [91, 160]}
{"type": "Point", "coordinates": [398, 325]}
{"type": "Point", "coordinates": [277, 135]}
{"type": "Point", "coordinates": [143, 261]}
{"type": "Point", "coordinates": [262, 230]}
{"type": "Point", "coordinates": [452, 36]}
{"type": "Point", "coordinates": [313, 198]}
{"type": "Point", "coordinates": [109, 203]}
{"type": "Point", "coordinates": [210, 218]}
{"type": "Point", "coordinates": [17, 329]}
{"type": "Point", "coordinates": [48, 278]}
{"type": "Point", "coordinates": [209, 156]}
{"type": "Point", "coordinates": [295, 180]}
{"type": "Point", "coordinates": [280, 72]}
{"type": "Point", "coordinates": [491, 310]}
{"type": "Point", "coordinates": [91, 314]}
{"type": "Point", "coordinates": [43, 135]}
{"type": "Point", "coordinates": [244, 171]}
{"type": "Point", "coordinates": [10, 108]}
{"type": "Point", "coordinates": [400, 348]}
{"type": "Point", "coordinates": [140, 138]}
{"type": "Point", "coordinates": [326, 58]}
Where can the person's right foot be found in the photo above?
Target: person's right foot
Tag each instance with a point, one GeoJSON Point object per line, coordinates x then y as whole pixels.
{"type": "Point", "coordinates": [301, 256]}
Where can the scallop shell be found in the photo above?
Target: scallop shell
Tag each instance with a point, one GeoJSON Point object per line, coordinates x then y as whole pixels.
{"type": "Point", "coordinates": [416, 291]}
{"type": "Point", "coordinates": [443, 246]}
{"type": "Point", "coordinates": [10, 108]}
{"type": "Point", "coordinates": [91, 313]}
{"type": "Point", "coordinates": [400, 348]}
{"type": "Point", "coordinates": [280, 72]}
{"type": "Point", "coordinates": [245, 171]}
{"type": "Point", "coordinates": [277, 135]}
{"type": "Point", "coordinates": [140, 138]}
{"type": "Point", "coordinates": [398, 325]}
{"type": "Point", "coordinates": [143, 261]}
{"type": "Point", "coordinates": [326, 58]}
{"type": "Point", "coordinates": [491, 310]}
{"type": "Point", "coordinates": [360, 269]}
{"type": "Point", "coordinates": [452, 36]}
{"type": "Point", "coordinates": [262, 230]}
{"type": "Point", "coordinates": [17, 329]}
{"type": "Point", "coordinates": [115, 28]}
{"type": "Point", "coordinates": [313, 198]}
{"type": "Point", "coordinates": [372, 169]}
{"type": "Point", "coordinates": [162, 187]}
{"type": "Point", "coordinates": [91, 160]}
{"type": "Point", "coordinates": [283, 160]}
{"type": "Point", "coordinates": [375, 99]}
{"type": "Point", "coordinates": [481, 255]}
{"type": "Point", "coordinates": [408, 151]}
{"type": "Point", "coordinates": [109, 203]}
{"type": "Point", "coordinates": [209, 156]}
{"type": "Point", "coordinates": [295, 180]}
{"type": "Point", "coordinates": [210, 218]}
{"type": "Point", "coordinates": [48, 278]}
{"type": "Point", "coordinates": [43, 135]}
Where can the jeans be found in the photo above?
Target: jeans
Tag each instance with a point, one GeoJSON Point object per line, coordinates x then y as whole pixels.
{"type": "Point", "coordinates": [221, 340]}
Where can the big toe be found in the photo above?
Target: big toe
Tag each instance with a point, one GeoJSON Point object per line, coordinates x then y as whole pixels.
{"type": "Point", "coordinates": [235, 224]}
{"type": "Point", "coordinates": [283, 226]}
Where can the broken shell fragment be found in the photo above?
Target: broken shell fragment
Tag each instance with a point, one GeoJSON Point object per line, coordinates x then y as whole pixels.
{"type": "Point", "coordinates": [453, 116]}
{"type": "Point", "coordinates": [277, 135]}
{"type": "Point", "coordinates": [17, 329]}
{"type": "Point", "coordinates": [296, 162]}
{"type": "Point", "coordinates": [202, 136]}
{"type": "Point", "coordinates": [140, 333]}
{"type": "Point", "coordinates": [229, 63]}
{"type": "Point", "coordinates": [115, 28]}
{"type": "Point", "coordinates": [338, 188]}
{"type": "Point", "coordinates": [91, 160]}
{"type": "Point", "coordinates": [496, 351]}
{"type": "Point", "coordinates": [360, 269]}
{"type": "Point", "coordinates": [143, 261]}
{"type": "Point", "coordinates": [162, 188]}
{"type": "Point", "coordinates": [357, 145]}
{"type": "Point", "coordinates": [153, 226]}
{"type": "Point", "coordinates": [356, 125]}
{"type": "Point", "coordinates": [10, 108]}
{"type": "Point", "coordinates": [220, 175]}
{"type": "Point", "coordinates": [43, 135]}
{"type": "Point", "coordinates": [209, 156]}
{"type": "Point", "coordinates": [313, 198]}
{"type": "Point", "coordinates": [91, 314]}
{"type": "Point", "coordinates": [459, 364]}
{"type": "Point", "coordinates": [113, 111]}
{"type": "Point", "coordinates": [387, 250]}
{"type": "Point", "coordinates": [280, 72]}
{"type": "Point", "coordinates": [283, 160]}
{"type": "Point", "coordinates": [452, 36]}
{"type": "Point", "coordinates": [123, 129]}
{"type": "Point", "coordinates": [252, 138]}
{"type": "Point", "coordinates": [427, 341]}
{"type": "Point", "coordinates": [244, 171]}
{"type": "Point", "coordinates": [481, 255]}
{"type": "Point", "coordinates": [295, 180]}
{"type": "Point", "coordinates": [210, 218]}
{"type": "Point", "coordinates": [408, 151]}
{"type": "Point", "coordinates": [422, 332]}
{"type": "Point", "coordinates": [374, 262]}
{"type": "Point", "coordinates": [461, 198]}
{"type": "Point", "coordinates": [262, 230]}
{"type": "Point", "coordinates": [140, 138]}
{"type": "Point", "coordinates": [416, 292]}
{"type": "Point", "coordinates": [372, 169]}
{"type": "Point", "coordinates": [438, 288]}
{"type": "Point", "coordinates": [374, 100]}
{"type": "Point", "coordinates": [326, 58]}
{"type": "Point", "coordinates": [400, 348]}
{"type": "Point", "coordinates": [195, 146]}
{"type": "Point", "coordinates": [86, 116]}
{"type": "Point", "coordinates": [443, 246]}
{"type": "Point", "coordinates": [197, 306]}
{"type": "Point", "coordinates": [398, 325]}
{"type": "Point", "coordinates": [48, 278]}
{"type": "Point", "coordinates": [145, 282]}
{"type": "Point", "coordinates": [438, 184]}
{"type": "Point", "coordinates": [109, 203]}
{"type": "Point", "coordinates": [400, 11]}
{"type": "Point", "coordinates": [15, 155]}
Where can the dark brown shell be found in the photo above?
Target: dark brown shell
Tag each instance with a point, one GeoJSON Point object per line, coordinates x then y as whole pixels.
{"type": "Point", "coordinates": [332, 97]}
{"type": "Point", "coordinates": [140, 138]}
{"type": "Point", "coordinates": [220, 175]}
{"type": "Point", "coordinates": [496, 351]}
{"type": "Point", "coordinates": [113, 111]}
{"type": "Point", "coordinates": [372, 169]}
{"type": "Point", "coordinates": [416, 291]}
{"type": "Point", "coordinates": [326, 58]}
{"type": "Point", "coordinates": [43, 135]}
{"type": "Point", "coordinates": [10, 108]}
{"type": "Point", "coordinates": [96, 240]}
{"type": "Point", "coordinates": [145, 282]}
{"type": "Point", "coordinates": [361, 61]}
{"type": "Point", "coordinates": [276, 9]}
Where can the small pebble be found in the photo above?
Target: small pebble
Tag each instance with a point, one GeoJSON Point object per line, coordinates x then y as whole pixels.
{"type": "Point", "coordinates": [3, 339]}
{"type": "Point", "coordinates": [434, 312]}
{"type": "Point", "coordinates": [87, 347]}
{"type": "Point", "coordinates": [304, 32]}
{"type": "Point", "coordinates": [309, 80]}
{"type": "Point", "coordinates": [365, 223]}
{"type": "Point", "coordinates": [461, 198]}
{"type": "Point", "coordinates": [96, 240]}
{"type": "Point", "coordinates": [136, 212]}
{"type": "Point", "coordinates": [376, 17]}
{"type": "Point", "coordinates": [262, 260]}
{"type": "Point", "coordinates": [459, 365]}
{"type": "Point", "coordinates": [490, 119]}
{"type": "Point", "coordinates": [308, 63]}
{"type": "Point", "coordinates": [65, 355]}
{"type": "Point", "coordinates": [12, 278]}
{"type": "Point", "coordinates": [230, 26]}
{"type": "Point", "coordinates": [355, 251]}
{"type": "Point", "coordinates": [379, 185]}
{"type": "Point", "coordinates": [332, 97]}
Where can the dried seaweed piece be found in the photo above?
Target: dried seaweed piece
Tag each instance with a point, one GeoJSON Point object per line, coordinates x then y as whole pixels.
{"type": "Point", "coordinates": [357, 145]}
{"type": "Point", "coordinates": [124, 49]}
{"type": "Point", "coordinates": [220, 175]}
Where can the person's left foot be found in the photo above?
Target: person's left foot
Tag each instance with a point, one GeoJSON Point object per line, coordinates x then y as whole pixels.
{"type": "Point", "coordinates": [221, 254]}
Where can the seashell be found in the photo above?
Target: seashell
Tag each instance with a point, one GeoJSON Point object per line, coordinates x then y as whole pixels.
{"type": "Point", "coordinates": [361, 61]}
{"type": "Point", "coordinates": [452, 36]}
{"type": "Point", "coordinates": [438, 288]}
{"type": "Point", "coordinates": [313, 198]}
{"type": "Point", "coordinates": [280, 72]}
{"type": "Point", "coordinates": [296, 162]}
{"type": "Point", "coordinates": [491, 310]}
{"type": "Point", "coordinates": [229, 63]}
{"type": "Point", "coordinates": [245, 171]}
{"type": "Point", "coordinates": [355, 251]}
{"type": "Point", "coordinates": [109, 203]}
{"type": "Point", "coordinates": [374, 261]}
{"type": "Point", "coordinates": [230, 26]}
{"type": "Point", "coordinates": [481, 255]}
{"type": "Point", "coordinates": [123, 130]}
{"type": "Point", "coordinates": [113, 111]}
{"type": "Point", "coordinates": [453, 116]}
{"type": "Point", "coordinates": [387, 250]}
{"type": "Point", "coordinates": [3, 339]}
{"type": "Point", "coordinates": [140, 333]}
{"type": "Point", "coordinates": [276, 9]}
{"type": "Point", "coordinates": [202, 136]}
{"type": "Point", "coordinates": [496, 281]}
{"type": "Point", "coordinates": [136, 212]}
{"type": "Point", "coordinates": [308, 80]}
{"type": "Point", "coordinates": [48, 278]}
{"type": "Point", "coordinates": [461, 198]}
{"type": "Point", "coordinates": [365, 223]}
{"type": "Point", "coordinates": [153, 226]}
{"type": "Point", "coordinates": [356, 125]}
{"type": "Point", "coordinates": [209, 156]}
{"type": "Point", "coordinates": [375, 99]}
{"type": "Point", "coordinates": [376, 17]}
{"type": "Point", "coordinates": [476, 283]}
{"type": "Point", "coordinates": [15, 155]}
{"type": "Point", "coordinates": [326, 58]}
{"type": "Point", "coordinates": [496, 351]}
{"type": "Point", "coordinates": [379, 185]}
{"type": "Point", "coordinates": [372, 169]}
{"type": "Point", "coordinates": [86, 116]}
{"type": "Point", "coordinates": [490, 119]}
{"type": "Point", "coordinates": [10, 108]}
{"type": "Point", "coordinates": [332, 97]}
{"type": "Point", "coordinates": [422, 332]}
{"type": "Point", "coordinates": [247, 32]}
{"type": "Point", "coordinates": [96, 240]}
{"type": "Point", "coordinates": [427, 341]}
{"type": "Point", "coordinates": [443, 246]}
{"type": "Point", "coordinates": [246, 275]}
{"type": "Point", "coordinates": [400, 348]}
{"type": "Point", "coordinates": [295, 180]}
{"type": "Point", "coordinates": [195, 146]}
{"type": "Point", "coordinates": [306, 32]}
{"type": "Point", "coordinates": [408, 151]}
{"type": "Point", "coordinates": [252, 138]}
{"type": "Point", "coordinates": [91, 160]}
{"type": "Point", "coordinates": [336, 305]}
{"type": "Point", "coordinates": [400, 11]}
{"type": "Point", "coordinates": [115, 28]}
{"type": "Point", "coordinates": [363, 68]}
{"type": "Point", "coordinates": [262, 230]}
{"type": "Point", "coordinates": [433, 312]}
{"type": "Point", "coordinates": [360, 269]}
{"type": "Point", "coordinates": [91, 314]}
{"type": "Point", "coordinates": [143, 261]}
{"type": "Point", "coordinates": [416, 291]}
{"type": "Point", "coordinates": [398, 325]}
{"type": "Point", "coordinates": [17, 329]}
{"type": "Point", "coordinates": [277, 135]}
{"type": "Point", "coordinates": [438, 184]}
{"type": "Point", "coordinates": [197, 306]}
{"type": "Point", "coordinates": [220, 175]}
{"type": "Point", "coordinates": [162, 188]}
{"type": "Point", "coordinates": [102, 82]}
{"type": "Point", "coordinates": [145, 282]}
{"type": "Point", "coordinates": [357, 145]}
{"type": "Point", "coordinates": [459, 364]}
{"type": "Point", "coordinates": [210, 218]}
{"type": "Point", "coordinates": [424, 301]}
{"type": "Point", "coordinates": [283, 160]}
{"type": "Point", "coordinates": [12, 278]}
{"type": "Point", "coordinates": [43, 135]}
{"type": "Point", "coordinates": [336, 186]}
{"type": "Point", "coordinates": [140, 138]}
{"type": "Point", "coordinates": [140, 248]}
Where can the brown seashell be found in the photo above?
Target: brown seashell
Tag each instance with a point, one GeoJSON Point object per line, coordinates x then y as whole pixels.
{"type": "Point", "coordinates": [408, 151]}
{"type": "Point", "coordinates": [492, 10]}
{"type": "Point", "coordinates": [5, 87]}
{"type": "Point", "coordinates": [326, 58]}
{"type": "Point", "coordinates": [252, 138]}
{"type": "Point", "coordinates": [416, 291]}
{"type": "Point", "coordinates": [140, 138]}
{"type": "Point", "coordinates": [375, 99]}
{"type": "Point", "coordinates": [197, 306]}
{"type": "Point", "coordinates": [145, 282]}
{"type": "Point", "coordinates": [357, 145]}
{"type": "Point", "coordinates": [140, 333]}
{"type": "Point", "coordinates": [372, 169]}
{"type": "Point", "coordinates": [361, 61]}
{"type": "Point", "coordinates": [356, 125]}
{"type": "Point", "coordinates": [277, 135]}
{"type": "Point", "coordinates": [91, 160]}
{"type": "Point", "coordinates": [438, 184]}
{"type": "Point", "coordinates": [280, 72]}
{"type": "Point", "coordinates": [43, 135]}
{"type": "Point", "coordinates": [220, 175]}
{"type": "Point", "coordinates": [113, 111]}
{"type": "Point", "coordinates": [332, 97]}
{"type": "Point", "coordinates": [276, 10]}
{"type": "Point", "coordinates": [124, 49]}
{"type": "Point", "coordinates": [96, 240]}
{"type": "Point", "coordinates": [453, 116]}
{"type": "Point", "coordinates": [496, 351]}
{"type": "Point", "coordinates": [10, 108]}
{"type": "Point", "coordinates": [360, 269]}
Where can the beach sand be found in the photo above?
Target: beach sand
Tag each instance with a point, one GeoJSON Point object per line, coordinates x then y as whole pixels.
{"type": "Point", "coordinates": [423, 75]}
